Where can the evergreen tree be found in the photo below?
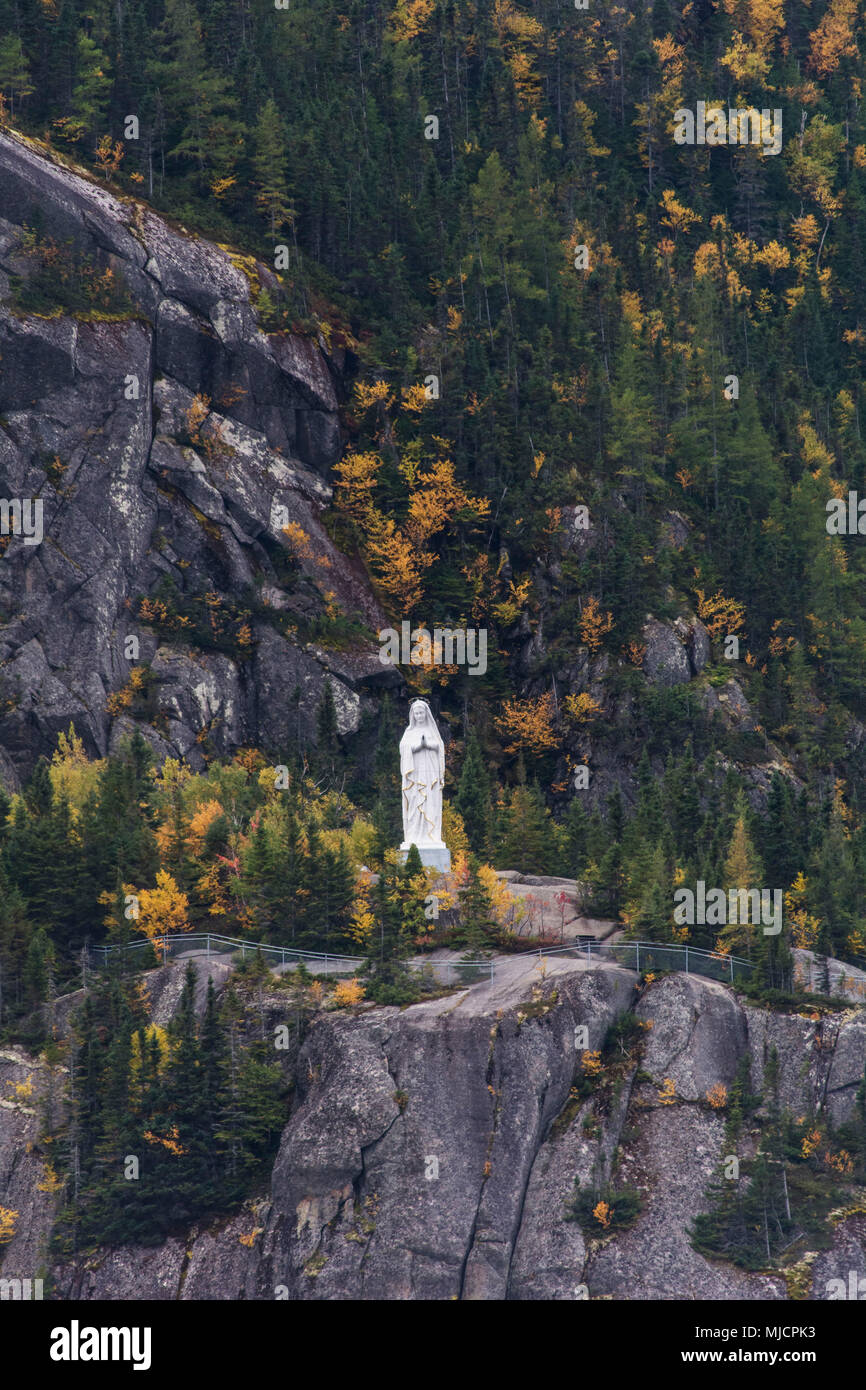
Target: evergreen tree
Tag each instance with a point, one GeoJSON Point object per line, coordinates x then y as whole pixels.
{"type": "Point", "coordinates": [609, 883]}
{"type": "Point", "coordinates": [14, 71]}
{"type": "Point", "coordinates": [576, 834]}
{"type": "Point", "coordinates": [90, 95]}
{"type": "Point", "coordinates": [202, 134]}
{"type": "Point", "coordinates": [478, 923]}
{"type": "Point", "coordinates": [779, 837]}
{"type": "Point", "coordinates": [472, 799]}
{"type": "Point", "coordinates": [527, 842]}
{"type": "Point", "coordinates": [390, 981]}
{"type": "Point", "coordinates": [654, 921]}
{"type": "Point", "coordinates": [269, 166]}
{"type": "Point", "coordinates": [43, 859]}
{"type": "Point", "coordinates": [387, 814]}
{"type": "Point", "coordinates": [39, 969]}
{"type": "Point", "coordinates": [328, 741]}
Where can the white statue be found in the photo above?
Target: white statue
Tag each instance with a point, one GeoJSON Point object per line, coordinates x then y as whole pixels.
{"type": "Point", "coordinates": [422, 772]}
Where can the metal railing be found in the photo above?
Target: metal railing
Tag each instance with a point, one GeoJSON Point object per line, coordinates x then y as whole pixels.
{"type": "Point", "coordinates": [645, 957]}
{"type": "Point", "coordinates": [320, 962]}
{"type": "Point", "coordinates": [317, 962]}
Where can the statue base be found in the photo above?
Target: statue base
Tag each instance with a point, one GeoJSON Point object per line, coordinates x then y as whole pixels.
{"type": "Point", "coordinates": [431, 857]}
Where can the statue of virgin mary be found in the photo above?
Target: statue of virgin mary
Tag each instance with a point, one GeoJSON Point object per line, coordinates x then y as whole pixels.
{"type": "Point", "coordinates": [422, 773]}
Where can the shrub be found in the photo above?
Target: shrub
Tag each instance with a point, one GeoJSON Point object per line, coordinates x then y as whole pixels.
{"type": "Point", "coordinates": [348, 992]}
{"type": "Point", "coordinates": [64, 281]}
{"type": "Point", "coordinates": [601, 1210]}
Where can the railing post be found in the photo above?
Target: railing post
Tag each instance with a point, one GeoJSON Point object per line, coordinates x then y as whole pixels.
{"type": "Point", "coordinates": [208, 945]}
{"type": "Point", "coordinates": [637, 956]}
{"type": "Point", "coordinates": [732, 969]}
{"type": "Point", "coordinates": [687, 960]}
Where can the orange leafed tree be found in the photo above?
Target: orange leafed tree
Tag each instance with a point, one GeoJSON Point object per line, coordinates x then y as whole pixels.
{"type": "Point", "coordinates": [399, 556]}
{"type": "Point", "coordinates": [200, 823]}
{"type": "Point", "coordinates": [834, 38]}
{"type": "Point", "coordinates": [603, 1214]}
{"type": "Point", "coordinates": [760, 19]}
{"type": "Point", "coordinates": [356, 480]}
{"type": "Point", "coordinates": [348, 992]}
{"type": "Point", "coordinates": [528, 725]}
{"type": "Point", "coordinates": [161, 910]}
{"type": "Point", "coordinates": [594, 624]}
{"type": "Point", "coordinates": [396, 564]}
{"type": "Point", "coordinates": [720, 614]}
{"type": "Point", "coordinates": [409, 19]}
{"type": "Point", "coordinates": [436, 499]}
{"type": "Point", "coordinates": [805, 926]}
{"type": "Point", "coordinates": [8, 1217]}
{"type": "Point", "coordinates": [581, 708]}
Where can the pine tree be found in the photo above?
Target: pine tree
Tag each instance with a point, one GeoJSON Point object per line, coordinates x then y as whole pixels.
{"type": "Point", "coordinates": [414, 893]}
{"type": "Point", "coordinates": [202, 134]}
{"type": "Point", "coordinates": [527, 842]}
{"type": "Point", "coordinates": [269, 165]}
{"type": "Point", "coordinates": [387, 818]}
{"type": "Point", "coordinates": [90, 95]}
{"type": "Point", "coordinates": [472, 799]}
{"type": "Point", "coordinates": [212, 1068]}
{"type": "Point", "coordinates": [327, 736]}
{"type": "Point", "coordinates": [330, 883]}
{"type": "Point", "coordinates": [390, 981]}
{"type": "Point", "coordinates": [14, 71]}
{"type": "Point", "coordinates": [478, 922]}
{"type": "Point", "coordinates": [779, 837]}
{"type": "Point", "coordinates": [43, 858]}
{"type": "Point", "coordinates": [609, 883]}
{"type": "Point", "coordinates": [39, 969]}
{"type": "Point", "coordinates": [654, 921]}
{"type": "Point", "coordinates": [576, 835]}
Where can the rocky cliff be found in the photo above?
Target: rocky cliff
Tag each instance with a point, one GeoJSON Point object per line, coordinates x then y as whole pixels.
{"type": "Point", "coordinates": [430, 1151]}
{"type": "Point", "coordinates": [170, 442]}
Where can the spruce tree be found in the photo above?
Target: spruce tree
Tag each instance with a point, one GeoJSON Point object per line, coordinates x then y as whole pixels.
{"type": "Point", "coordinates": [654, 921]}
{"type": "Point", "coordinates": [14, 71]}
{"type": "Point", "coordinates": [326, 723]}
{"type": "Point", "coordinates": [472, 798]}
{"type": "Point", "coordinates": [479, 927]}
{"type": "Point", "coordinates": [389, 946]}
{"type": "Point", "coordinates": [269, 166]}
{"type": "Point", "coordinates": [527, 842]}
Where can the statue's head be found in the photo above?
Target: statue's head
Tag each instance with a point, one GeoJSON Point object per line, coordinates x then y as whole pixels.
{"type": "Point", "coordinates": [419, 712]}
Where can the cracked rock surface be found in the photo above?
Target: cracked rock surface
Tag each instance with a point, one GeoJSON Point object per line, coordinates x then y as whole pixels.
{"type": "Point", "coordinates": [94, 423]}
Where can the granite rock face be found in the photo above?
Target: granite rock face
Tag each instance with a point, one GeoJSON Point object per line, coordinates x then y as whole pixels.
{"type": "Point", "coordinates": [101, 422]}
{"type": "Point", "coordinates": [430, 1152]}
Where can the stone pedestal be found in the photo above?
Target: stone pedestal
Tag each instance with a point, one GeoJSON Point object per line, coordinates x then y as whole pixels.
{"type": "Point", "coordinates": [432, 857]}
